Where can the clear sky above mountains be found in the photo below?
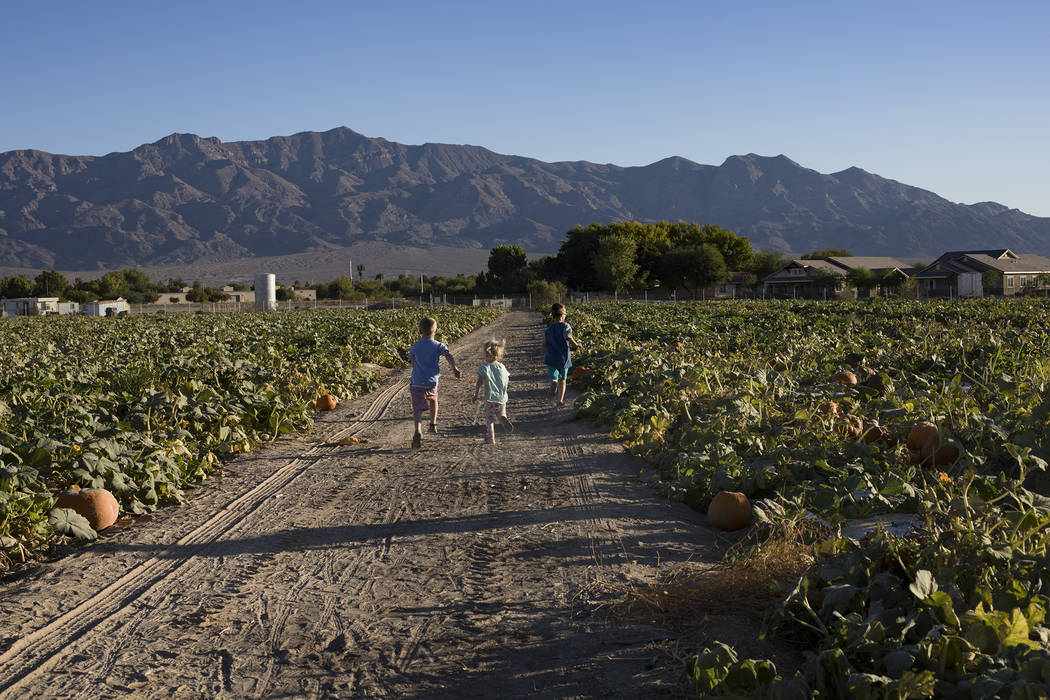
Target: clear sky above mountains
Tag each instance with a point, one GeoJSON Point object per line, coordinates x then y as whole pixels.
{"type": "Point", "coordinates": [953, 97]}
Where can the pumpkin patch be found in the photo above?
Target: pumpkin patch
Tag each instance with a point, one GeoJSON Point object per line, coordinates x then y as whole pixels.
{"type": "Point", "coordinates": [948, 432]}
{"type": "Point", "coordinates": [154, 404]}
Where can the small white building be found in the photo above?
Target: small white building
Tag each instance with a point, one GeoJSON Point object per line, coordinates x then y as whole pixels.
{"type": "Point", "coordinates": [105, 307]}
{"type": "Point", "coordinates": [31, 306]}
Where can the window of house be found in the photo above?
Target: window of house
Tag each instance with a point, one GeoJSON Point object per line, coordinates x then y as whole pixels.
{"type": "Point", "coordinates": [1010, 281]}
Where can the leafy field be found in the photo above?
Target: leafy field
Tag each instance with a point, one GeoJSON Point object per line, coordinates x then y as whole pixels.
{"type": "Point", "coordinates": [146, 406]}
{"type": "Point", "coordinates": [739, 396]}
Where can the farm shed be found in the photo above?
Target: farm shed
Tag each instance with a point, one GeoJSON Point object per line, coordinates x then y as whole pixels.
{"type": "Point", "coordinates": [106, 307]}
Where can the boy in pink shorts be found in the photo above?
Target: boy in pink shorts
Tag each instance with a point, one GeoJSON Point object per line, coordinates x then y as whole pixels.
{"type": "Point", "coordinates": [425, 357]}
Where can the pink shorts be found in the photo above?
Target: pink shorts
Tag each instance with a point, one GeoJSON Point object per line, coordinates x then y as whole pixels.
{"type": "Point", "coordinates": [421, 397]}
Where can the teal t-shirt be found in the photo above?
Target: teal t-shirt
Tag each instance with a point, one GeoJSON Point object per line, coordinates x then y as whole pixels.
{"type": "Point", "coordinates": [494, 380]}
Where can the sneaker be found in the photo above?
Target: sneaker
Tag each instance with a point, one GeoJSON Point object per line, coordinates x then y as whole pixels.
{"type": "Point", "coordinates": [417, 441]}
{"type": "Point", "coordinates": [507, 424]}
{"type": "Point", "coordinates": [433, 428]}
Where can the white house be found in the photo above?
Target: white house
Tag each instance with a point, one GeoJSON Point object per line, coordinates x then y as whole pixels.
{"type": "Point", "coordinates": [105, 307]}
{"type": "Point", "coordinates": [31, 306]}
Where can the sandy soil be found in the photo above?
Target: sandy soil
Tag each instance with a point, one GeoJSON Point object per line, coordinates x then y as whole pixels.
{"type": "Point", "coordinates": [312, 569]}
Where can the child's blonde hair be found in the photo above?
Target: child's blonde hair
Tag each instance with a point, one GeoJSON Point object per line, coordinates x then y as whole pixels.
{"type": "Point", "coordinates": [427, 326]}
{"type": "Point", "coordinates": [494, 349]}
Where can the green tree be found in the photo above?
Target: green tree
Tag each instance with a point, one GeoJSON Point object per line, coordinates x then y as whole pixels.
{"type": "Point", "coordinates": [545, 293]}
{"type": "Point", "coordinates": [16, 287]}
{"type": "Point", "coordinates": [508, 269]}
{"type": "Point", "coordinates": [827, 280]}
{"type": "Point", "coordinates": [766, 262]}
{"type": "Point", "coordinates": [828, 253]}
{"type": "Point", "coordinates": [614, 262]}
{"type": "Point", "coordinates": [992, 281]}
{"type": "Point", "coordinates": [862, 278]}
{"type": "Point", "coordinates": [50, 284]}
{"type": "Point", "coordinates": [693, 267]}
{"type": "Point", "coordinates": [197, 294]}
{"type": "Point", "coordinates": [340, 288]}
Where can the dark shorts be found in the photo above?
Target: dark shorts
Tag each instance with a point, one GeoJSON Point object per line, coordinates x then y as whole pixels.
{"type": "Point", "coordinates": [422, 396]}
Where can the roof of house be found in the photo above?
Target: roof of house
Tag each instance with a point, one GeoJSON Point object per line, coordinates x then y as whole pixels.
{"type": "Point", "coordinates": [982, 261]}
{"type": "Point", "coordinates": [873, 263]}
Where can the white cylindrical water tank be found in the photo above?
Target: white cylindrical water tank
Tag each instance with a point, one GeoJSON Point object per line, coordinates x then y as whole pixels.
{"type": "Point", "coordinates": [266, 292]}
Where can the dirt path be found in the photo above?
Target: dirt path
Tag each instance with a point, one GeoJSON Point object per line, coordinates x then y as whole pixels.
{"type": "Point", "coordinates": [312, 569]}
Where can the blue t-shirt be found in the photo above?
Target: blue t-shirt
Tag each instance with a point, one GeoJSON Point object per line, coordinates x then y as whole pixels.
{"type": "Point", "coordinates": [557, 340]}
{"type": "Point", "coordinates": [494, 380]}
{"type": "Point", "coordinates": [425, 356]}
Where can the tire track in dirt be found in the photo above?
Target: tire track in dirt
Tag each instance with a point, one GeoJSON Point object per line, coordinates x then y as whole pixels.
{"type": "Point", "coordinates": [27, 657]}
{"type": "Point", "coordinates": [459, 570]}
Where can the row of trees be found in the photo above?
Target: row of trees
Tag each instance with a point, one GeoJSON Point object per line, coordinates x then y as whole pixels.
{"type": "Point", "coordinates": [615, 257]}
{"type": "Point", "coordinates": [630, 255]}
{"type": "Point", "coordinates": [131, 284]}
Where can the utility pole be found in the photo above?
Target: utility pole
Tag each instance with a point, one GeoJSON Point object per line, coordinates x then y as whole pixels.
{"type": "Point", "coordinates": [350, 264]}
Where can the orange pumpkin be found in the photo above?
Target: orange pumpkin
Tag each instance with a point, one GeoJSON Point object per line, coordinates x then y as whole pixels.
{"type": "Point", "coordinates": [98, 506]}
{"type": "Point", "coordinates": [875, 433]}
{"type": "Point", "coordinates": [921, 434]}
{"type": "Point", "coordinates": [830, 409]}
{"type": "Point", "coordinates": [945, 454]}
{"type": "Point", "coordinates": [852, 426]}
{"type": "Point", "coordinates": [327, 402]}
{"type": "Point", "coordinates": [935, 454]}
{"type": "Point", "coordinates": [847, 378]}
{"type": "Point", "coordinates": [729, 510]}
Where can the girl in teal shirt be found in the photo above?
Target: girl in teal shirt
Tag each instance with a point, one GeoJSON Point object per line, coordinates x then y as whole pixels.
{"type": "Point", "coordinates": [491, 388]}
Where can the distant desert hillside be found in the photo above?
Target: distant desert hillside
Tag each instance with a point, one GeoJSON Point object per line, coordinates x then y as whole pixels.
{"type": "Point", "coordinates": [186, 200]}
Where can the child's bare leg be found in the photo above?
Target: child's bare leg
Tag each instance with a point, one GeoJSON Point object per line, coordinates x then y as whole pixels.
{"type": "Point", "coordinates": [417, 436]}
{"type": "Point", "coordinates": [433, 413]}
{"type": "Point", "coordinates": [561, 391]}
{"type": "Point", "coordinates": [553, 393]}
{"type": "Point", "coordinates": [492, 433]}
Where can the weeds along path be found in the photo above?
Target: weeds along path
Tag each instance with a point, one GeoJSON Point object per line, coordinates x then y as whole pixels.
{"type": "Point", "coordinates": [313, 569]}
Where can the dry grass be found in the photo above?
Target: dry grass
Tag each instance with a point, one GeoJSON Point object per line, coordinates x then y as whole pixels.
{"type": "Point", "coordinates": [748, 581]}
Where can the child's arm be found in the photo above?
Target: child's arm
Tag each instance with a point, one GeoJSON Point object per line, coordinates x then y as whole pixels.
{"type": "Point", "coordinates": [452, 361]}
{"type": "Point", "coordinates": [477, 387]}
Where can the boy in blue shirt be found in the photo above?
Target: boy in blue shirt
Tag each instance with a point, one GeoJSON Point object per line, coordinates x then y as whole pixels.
{"type": "Point", "coordinates": [557, 341]}
{"type": "Point", "coordinates": [425, 357]}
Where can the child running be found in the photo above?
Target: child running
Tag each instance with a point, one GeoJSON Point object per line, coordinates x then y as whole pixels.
{"type": "Point", "coordinates": [425, 357]}
{"type": "Point", "coordinates": [557, 341]}
{"type": "Point", "coordinates": [492, 388]}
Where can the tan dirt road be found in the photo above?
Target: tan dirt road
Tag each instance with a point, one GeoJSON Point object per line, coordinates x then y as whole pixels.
{"type": "Point", "coordinates": [312, 569]}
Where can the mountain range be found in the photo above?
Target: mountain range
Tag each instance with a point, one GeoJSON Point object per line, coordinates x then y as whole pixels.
{"type": "Point", "coordinates": [186, 199]}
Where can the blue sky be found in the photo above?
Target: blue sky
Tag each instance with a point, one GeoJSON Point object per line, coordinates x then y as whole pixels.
{"type": "Point", "coordinates": [953, 97]}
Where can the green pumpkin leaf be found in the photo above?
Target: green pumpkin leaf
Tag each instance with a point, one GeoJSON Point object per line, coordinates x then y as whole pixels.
{"type": "Point", "coordinates": [69, 522]}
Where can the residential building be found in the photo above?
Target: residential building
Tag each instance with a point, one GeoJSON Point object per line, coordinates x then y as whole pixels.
{"type": "Point", "coordinates": [980, 272]}
{"type": "Point", "coordinates": [31, 306]}
{"type": "Point", "coordinates": [810, 278]}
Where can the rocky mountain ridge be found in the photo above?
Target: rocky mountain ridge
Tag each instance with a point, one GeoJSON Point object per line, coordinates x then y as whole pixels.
{"type": "Point", "coordinates": [186, 199]}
